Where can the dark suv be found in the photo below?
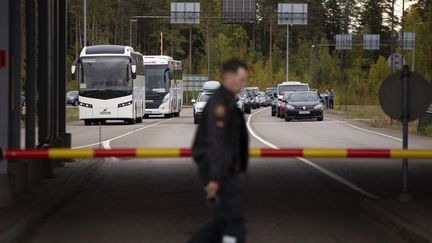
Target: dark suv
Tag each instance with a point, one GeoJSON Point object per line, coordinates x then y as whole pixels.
{"type": "Point", "coordinates": [303, 105]}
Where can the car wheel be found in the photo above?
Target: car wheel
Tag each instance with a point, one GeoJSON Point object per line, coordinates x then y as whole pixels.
{"type": "Point", "coordinates": [287, 119]}
{"type": "Point", "coordinates": [75, 103]}
{"type": "Point", "coordinates": [196, 120]}
{"type": "Point", "coordinates": [320, 119]}
{"type": "Point", "coordinates": [146, 116]}
{"type": "Point", "coordinates": [247, 109]}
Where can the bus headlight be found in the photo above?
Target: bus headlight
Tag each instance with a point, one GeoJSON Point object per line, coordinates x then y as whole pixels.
{"type": "Point", "coordinates": [166, 98]}
{"type": "Point", "coordinates": [85, 105]}
{"type": "Point", "coordinates": [124, 104]}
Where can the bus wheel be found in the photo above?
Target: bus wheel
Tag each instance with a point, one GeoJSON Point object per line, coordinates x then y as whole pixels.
{"type": "Point", "coordinates": [87, 122]}
{"type": "Point", "coordinates": [146, 116]}
{"type": "Point", "coordinates": [130, 121]}
{"type": "Point", "coordinates": [168, 115]}
{"type": "Point", "coordinates": [176, 114]}
{"type": "Point", "coordinates": [139, 120]}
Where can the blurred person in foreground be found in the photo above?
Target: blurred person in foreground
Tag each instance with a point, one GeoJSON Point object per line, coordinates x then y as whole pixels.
{"type": "Point", "coordinates": [221, 150]}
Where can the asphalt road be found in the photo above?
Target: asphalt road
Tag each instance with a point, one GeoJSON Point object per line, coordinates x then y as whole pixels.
{"type": "Point", "coordinates": [286, 200]}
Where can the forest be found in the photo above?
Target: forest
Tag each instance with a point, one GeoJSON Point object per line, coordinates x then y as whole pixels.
{"type": "Point", "coordinates": [357, 73]}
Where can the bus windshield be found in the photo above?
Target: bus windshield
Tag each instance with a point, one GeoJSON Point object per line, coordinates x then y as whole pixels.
{"type": "Point", "coordinates": [290, 87]}
{"type": "Point", "coordinates": [105, 73]}
{"type": "Point", "coordinates": [154, 78]}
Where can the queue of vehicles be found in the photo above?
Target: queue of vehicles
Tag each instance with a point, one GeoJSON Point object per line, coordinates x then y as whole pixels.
{"type": "Point", "coordinates": [117, 83]}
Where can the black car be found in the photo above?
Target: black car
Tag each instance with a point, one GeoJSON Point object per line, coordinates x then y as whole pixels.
{"type": "Point", "coordinates": [303, 105]}
{"type": "Point", "coordinates": [72, 98]}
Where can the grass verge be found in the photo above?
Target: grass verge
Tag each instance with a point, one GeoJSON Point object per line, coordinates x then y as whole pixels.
{"type": "Point", "coordinates": [374, 116]}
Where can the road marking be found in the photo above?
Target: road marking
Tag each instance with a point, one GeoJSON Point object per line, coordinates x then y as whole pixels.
{"type": "Point", "coordinates": [310, 163]}
{"type": "Point", "coordinates": [369, 131]}
{"type": "Point", "coordinates": [106, 143]}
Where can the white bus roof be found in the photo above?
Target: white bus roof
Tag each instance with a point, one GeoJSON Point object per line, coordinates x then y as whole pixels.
{"type": "Point", "coordinates": [106, 50]}
{"type": "Point", "coordinates": [211, 86]}
{"type": "Point", "coordinates": [292, 82]}
{"type": "Point", "coordinates": [157, 60]}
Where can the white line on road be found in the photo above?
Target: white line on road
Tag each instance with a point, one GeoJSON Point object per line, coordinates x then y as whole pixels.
{"type": "Point", "coordinates": [310, 163]}
{"type": "Point", "coordinates": [106, 143]}
{"type": "Point", "coordinates": [369, 131]}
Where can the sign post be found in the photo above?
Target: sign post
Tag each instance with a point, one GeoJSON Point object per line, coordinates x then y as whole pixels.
{"type": "Point", "coordinates": [291, 14]}
{"type": "Point", "coordinates": [412, 93]}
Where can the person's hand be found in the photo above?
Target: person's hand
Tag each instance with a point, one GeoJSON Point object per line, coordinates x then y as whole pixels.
{"type": "Point", "coordinates": [212, 188]}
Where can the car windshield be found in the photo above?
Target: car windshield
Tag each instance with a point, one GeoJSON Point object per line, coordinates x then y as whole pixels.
{"type": "Point", "coordinates": [303, 97]}
{"type": "Point", "coordinates": [72, 93]}
{"type": "Point", "coordinates": [290, 87]}
{"type": "Point", "coordinates": [242, 93]}
{"type": "Point", "coordinates": [105, 73]}
{"type": "Point", "coordinates": [204, 97]}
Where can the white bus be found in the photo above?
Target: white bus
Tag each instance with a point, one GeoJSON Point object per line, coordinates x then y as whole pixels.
{"type": "Point", "coordinates": [111, 84]}
{"type": "Point", "coordinates": [291, 86]}
{"type": "Point", "coordinates": [164, 87]}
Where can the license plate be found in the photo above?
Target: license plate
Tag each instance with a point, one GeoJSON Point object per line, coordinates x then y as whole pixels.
{"type": "Point", "coordinates": [304, 112]}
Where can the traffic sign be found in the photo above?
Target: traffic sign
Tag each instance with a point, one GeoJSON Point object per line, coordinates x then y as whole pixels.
{"type": "Point", "coordinates": [238, 11]}
{"type": "Point", "coordinates": [343, 42]}
{"type": "Point", "coordinates": [292, 13]}
{"type": "Point", "coordinates": [185, 13]}
{"type": "Point", "coordinates": [371, 42]}
{"type": "Point", "coordinates": [391, 95]}
{"type": "Point", "coordinates": [397, 61]}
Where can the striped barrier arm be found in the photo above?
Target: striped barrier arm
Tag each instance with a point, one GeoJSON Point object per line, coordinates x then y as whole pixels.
{"type": "Point", "coordinates": [56, 153]}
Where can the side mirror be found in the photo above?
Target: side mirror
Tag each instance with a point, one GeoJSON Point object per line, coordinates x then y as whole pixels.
{"type": "Point", "coordinates": [193, 101]}
{"type": "Point", "coordinates": [133, 71]}
{"type": "Point", "coordinates": [73, 72]}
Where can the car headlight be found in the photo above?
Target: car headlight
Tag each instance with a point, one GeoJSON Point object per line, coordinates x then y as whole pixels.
{"type": "Point", "coordinates": [318, 107]}
{"type": "Point", "coordinates": [166, 98]}
{"type": "Point", "coordinates": [125, 104]}
{"type": "Point", "coordinates": [290, 107]}
{"type": "Point", "coordinates": [199, 109]}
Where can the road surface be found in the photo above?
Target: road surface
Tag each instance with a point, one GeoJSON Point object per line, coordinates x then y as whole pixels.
{"type": "Point", "coordinates": [286, 200]}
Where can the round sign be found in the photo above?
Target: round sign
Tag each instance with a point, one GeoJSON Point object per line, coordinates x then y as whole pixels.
{"type": "Point", "coordinates": [419, 96]}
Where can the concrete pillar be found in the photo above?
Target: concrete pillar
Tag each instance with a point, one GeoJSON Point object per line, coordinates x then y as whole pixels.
{"type": "Point", "coordinates": [19, 171]}
{"type": "Point", "coordinates": [7, 195]}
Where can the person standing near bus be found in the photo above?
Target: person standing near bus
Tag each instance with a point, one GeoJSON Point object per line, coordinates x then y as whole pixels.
{"type": "Point", "coordinates": [220, 150]}
{"type": "Point", "coordinates": [331, 95]}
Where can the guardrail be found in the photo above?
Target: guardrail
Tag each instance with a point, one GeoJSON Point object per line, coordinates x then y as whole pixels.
{"type": "Point", "coordinates": [56, 153]}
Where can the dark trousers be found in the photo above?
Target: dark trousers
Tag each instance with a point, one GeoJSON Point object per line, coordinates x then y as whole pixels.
{"type": "Point", "coordinates": [228, 223]}
{"type": "Point", "coordinates": [331, 104]}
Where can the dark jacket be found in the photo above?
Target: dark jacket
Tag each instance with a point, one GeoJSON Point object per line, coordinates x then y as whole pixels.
{"type": "Point", "coordinates": [221, 145]}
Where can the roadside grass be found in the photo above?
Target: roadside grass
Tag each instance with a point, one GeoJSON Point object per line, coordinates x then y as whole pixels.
{"type": "Point", "coordinates": [72, 113]}
{"type": "Point", "coordinates": [374, 116]}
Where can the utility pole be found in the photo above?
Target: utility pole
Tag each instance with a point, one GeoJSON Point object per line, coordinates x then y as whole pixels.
{"type": "Point", "coordinates": [85, 23]}
{"type": "Point", "coordinates": [287, 54]}
{"type": "Point", "coordinates": [271, 48]}
{"type": "Point", "coordinates": [190, 49]}
{"type": "Point", "coordinates": [208, 51]}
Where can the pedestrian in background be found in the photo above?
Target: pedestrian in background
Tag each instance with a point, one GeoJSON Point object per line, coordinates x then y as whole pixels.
{"type": "Point", "coordinates": [221, 151]}
{"type": "Point", "coordinates": [326, 98]}
{"type": "Point", "coordinates": [332, 95]}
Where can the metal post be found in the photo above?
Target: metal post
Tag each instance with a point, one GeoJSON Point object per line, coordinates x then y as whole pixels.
{"type": "Point", "coordinates": [208, 51]}
{"type": "Point", "coordinates": [30, 114]}
{"type": "Point", "coordinates": [405, 196]}
{"type": "Point", "coordinates": [287, 54]}
{"type": "Point", "coordinates": [15, 75]}
{"type": "Point", "coordinates": [54, 71]}
{"type": "Point", "coordinates": [85, 23]}
{"type": "Point", "coordinates": [392, 36]}
{"type": "Point", "coordinates": [44, 60]}
{"type": "Point", "coordinates": [4, 85]}
{"type": "Point", "coordinates": [130, 32]}
{"type": "Point", "coordinates": [271, 49]}
{"type": "Point", "coordinates": [190, 49]}
{"type": "Point", "coordinates": [66, 137]}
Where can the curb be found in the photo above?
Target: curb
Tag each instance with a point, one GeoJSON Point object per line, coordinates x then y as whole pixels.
{"type": "Point", "coordinates": [401, 226]}
{"type": "Point", "coordinates": [63, 189]}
